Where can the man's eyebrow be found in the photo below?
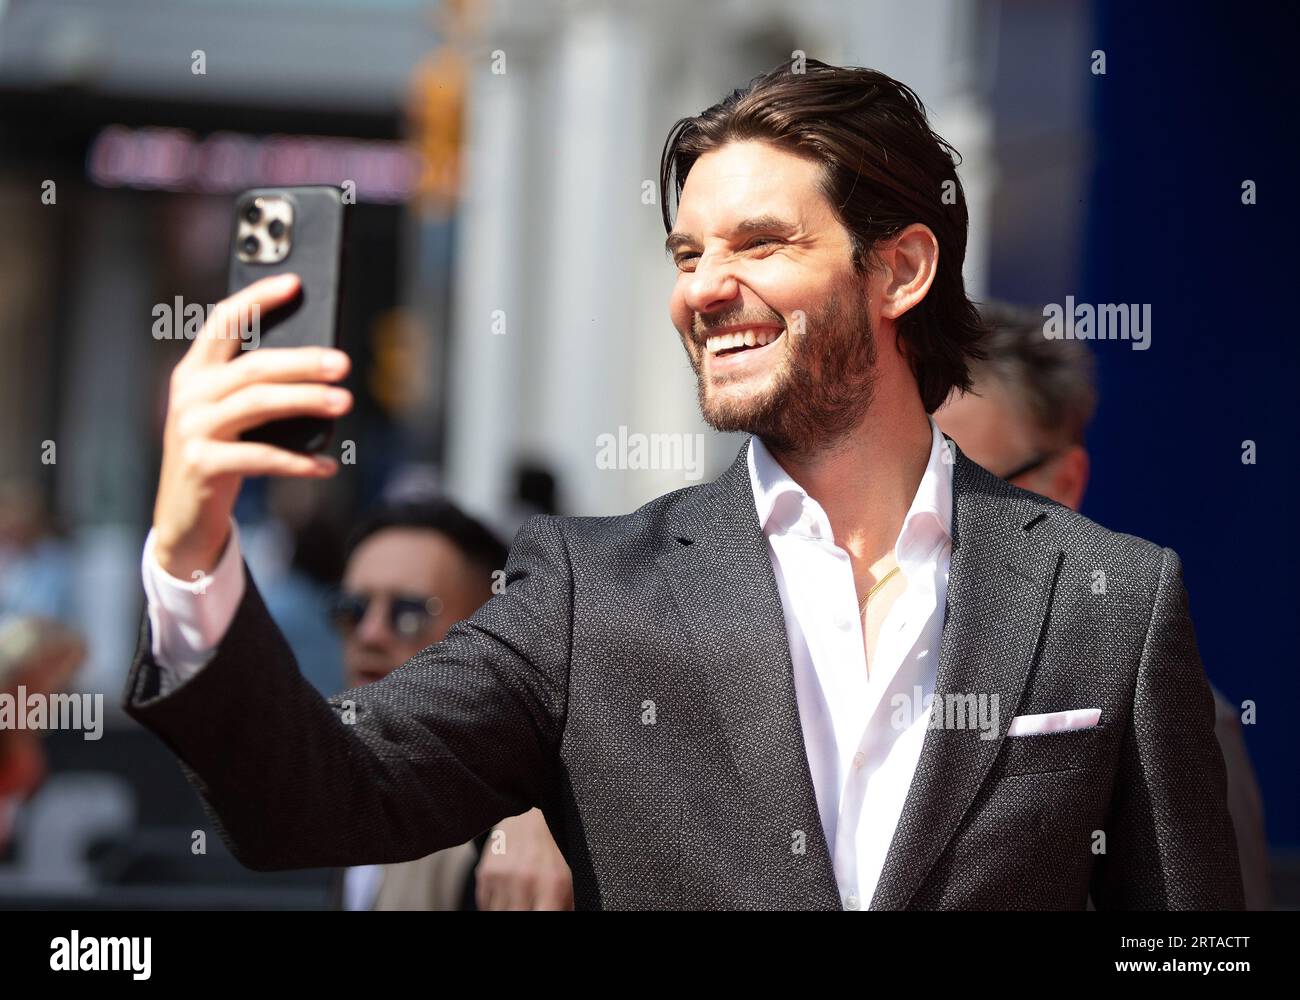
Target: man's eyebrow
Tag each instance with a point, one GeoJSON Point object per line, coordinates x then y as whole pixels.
{"type": "Point", "coordinates": [747, 227]}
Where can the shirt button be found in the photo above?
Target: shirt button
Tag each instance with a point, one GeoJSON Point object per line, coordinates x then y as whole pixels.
{"type": "Point", "coordinates": [815, 529]}
{"type": "Point", "coordinates": [851, 902]}
{"type": "Point", "coordinates": [841, 621]}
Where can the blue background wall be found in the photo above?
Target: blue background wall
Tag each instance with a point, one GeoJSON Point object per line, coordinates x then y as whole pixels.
{"type": "Point", "coordinates": [1196, 99]}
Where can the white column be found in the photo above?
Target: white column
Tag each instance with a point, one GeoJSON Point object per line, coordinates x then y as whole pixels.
{"type": "Point", "coordinates": [483, 402]}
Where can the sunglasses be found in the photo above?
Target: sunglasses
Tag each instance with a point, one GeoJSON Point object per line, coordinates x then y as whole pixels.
{"type": "Point", "coordinates": [408, 614]}
{"type": "Point", "coordinates": [1030, 466]}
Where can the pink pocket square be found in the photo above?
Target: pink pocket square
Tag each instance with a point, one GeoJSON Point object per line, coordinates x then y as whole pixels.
{"type": "Point", "coordinates": [1054, 722]}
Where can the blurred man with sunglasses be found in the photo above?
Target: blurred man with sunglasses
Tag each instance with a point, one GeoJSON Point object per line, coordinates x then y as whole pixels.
{"type": "Point", "coordinates": [414, 570]}
{"type": "Point", "coordinates": [1025, 421]}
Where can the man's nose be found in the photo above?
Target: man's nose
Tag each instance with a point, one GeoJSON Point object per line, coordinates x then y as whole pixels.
{"type": "Point", "coordinates": [712, 285]}
{"type": "Point", "coordinates": [373, 627]}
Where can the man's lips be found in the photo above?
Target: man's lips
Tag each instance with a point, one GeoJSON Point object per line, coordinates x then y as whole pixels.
{"type": "Point", "coordinates": [368, 675]}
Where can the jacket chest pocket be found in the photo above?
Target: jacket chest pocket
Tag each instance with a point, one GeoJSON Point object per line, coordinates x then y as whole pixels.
{"type": "Point", "coordinates": [1045, 753]}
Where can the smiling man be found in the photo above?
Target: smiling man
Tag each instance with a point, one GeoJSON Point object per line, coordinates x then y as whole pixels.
{"type": "Point", "coordinates": [723, 700]}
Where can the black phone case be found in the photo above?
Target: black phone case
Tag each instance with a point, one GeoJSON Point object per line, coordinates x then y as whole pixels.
{"type": "Point", "coordinates": [312, 318]}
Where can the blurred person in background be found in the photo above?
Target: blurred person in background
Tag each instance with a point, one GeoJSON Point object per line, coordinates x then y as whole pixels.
{"type": "Point", "coordinates": [37, 657]}
{"type": "Point", "coordinates": [35, 563]}
{"type": "Point", "coordinates": [297, 552]}
{"type": "Point", "coordinates": [1025, 421]}
{"type": "Point", "coordinates": [413, 570]}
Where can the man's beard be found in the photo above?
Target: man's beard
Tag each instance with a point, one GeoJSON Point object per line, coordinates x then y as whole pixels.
{"type": "Point", "coordinates": [822, 388]}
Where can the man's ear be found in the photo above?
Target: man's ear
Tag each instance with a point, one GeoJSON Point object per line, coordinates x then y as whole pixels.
{"type": "Point", "coordinates": [1069, 477]}
{"type": "Point", "coordinates": [910, 261]}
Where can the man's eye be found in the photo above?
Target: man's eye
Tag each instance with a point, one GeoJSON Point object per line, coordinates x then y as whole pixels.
{"type": "Point", "coordinates": [689, 258]}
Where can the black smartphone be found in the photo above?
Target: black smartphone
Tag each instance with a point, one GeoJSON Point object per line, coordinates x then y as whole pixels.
{"type": "Point", "coordinates": [298, 230]}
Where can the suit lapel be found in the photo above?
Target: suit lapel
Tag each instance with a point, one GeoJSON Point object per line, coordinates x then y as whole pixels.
{"type": "Point", "coordinates": [718, 566]}
{"type": "Point", "coordinates": [1000, 587]}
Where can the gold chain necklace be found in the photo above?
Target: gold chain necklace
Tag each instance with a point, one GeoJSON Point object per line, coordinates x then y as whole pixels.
{"type": "Point", "coordinates": [862, 608]}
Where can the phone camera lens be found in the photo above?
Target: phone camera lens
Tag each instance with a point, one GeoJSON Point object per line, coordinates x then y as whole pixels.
{"type": "Point", "coordinates": [252, 214]}
{"type": "Point", "coordinates": [250, 245]}
{"type": "Point", "coordinates": [275, 228]}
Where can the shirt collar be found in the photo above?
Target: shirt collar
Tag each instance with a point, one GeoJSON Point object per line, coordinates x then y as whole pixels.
{"type": "Point", "coordinates": [785, 508]}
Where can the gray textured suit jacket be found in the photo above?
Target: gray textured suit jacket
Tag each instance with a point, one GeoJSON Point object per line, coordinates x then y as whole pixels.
{"type": "Point", "coordinates": [634, 680]}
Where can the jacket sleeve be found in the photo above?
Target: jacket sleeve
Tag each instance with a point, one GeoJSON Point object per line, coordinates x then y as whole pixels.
{"type": "Point", "coordinates": [461, 736]}
{"type": "Point", "coordinates": [1169, 840]}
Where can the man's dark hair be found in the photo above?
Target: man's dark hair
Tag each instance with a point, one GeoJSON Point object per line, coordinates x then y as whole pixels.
{"type": "Point", "coordinates": [473, 539]}
{"type": "Point", "coordinates": [883, 168]}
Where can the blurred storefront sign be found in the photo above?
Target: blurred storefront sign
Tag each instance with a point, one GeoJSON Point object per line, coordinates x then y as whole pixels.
{"type": "Point", "coordinates": [170, 159]}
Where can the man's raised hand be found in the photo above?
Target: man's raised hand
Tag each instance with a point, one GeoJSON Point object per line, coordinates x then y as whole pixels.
{"type": "Point", "coordinates": [216, 393]}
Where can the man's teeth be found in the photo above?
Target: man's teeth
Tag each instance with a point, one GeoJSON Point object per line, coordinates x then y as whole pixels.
{"type": "Point", "coordinates": [741, 338]}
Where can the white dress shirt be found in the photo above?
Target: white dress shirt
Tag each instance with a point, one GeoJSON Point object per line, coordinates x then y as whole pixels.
{"type": "Point", "coordinates": [187, 618]}
{"type": "Point", "coordinates": [863, 736]}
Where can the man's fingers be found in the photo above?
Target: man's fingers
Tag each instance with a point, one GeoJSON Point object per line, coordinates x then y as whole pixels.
{"type": "Point", "coordinates": [254, 458]}
{"type": "Point", "coordinates": [554, 892]}
{"type": "Point", "coordinates": [273, 364]}
{"type": "Point", "coordinates": [233, 317]}
{"type": "Point", "coordinates": [486, 892]}
{"type": "Point", "coordinates": [515, 899]}
{"type": "Point", "coordinates": [261, 402]}
{"type": "Point", "coordinates": [502, 890]}
{"type": "Point", "coordinates": [523, 888]}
